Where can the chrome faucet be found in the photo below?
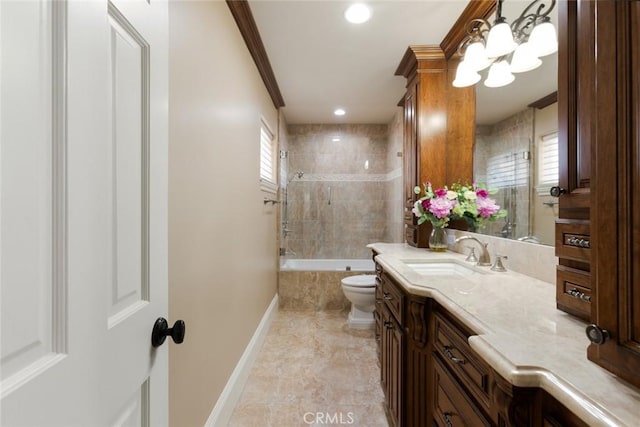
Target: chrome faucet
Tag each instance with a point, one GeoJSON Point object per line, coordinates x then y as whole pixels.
{"type": "Point", "coordinates": [485, 258]}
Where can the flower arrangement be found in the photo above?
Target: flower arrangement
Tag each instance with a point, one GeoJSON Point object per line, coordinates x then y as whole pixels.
{"type": "Point", "coordinates": [469, 202]}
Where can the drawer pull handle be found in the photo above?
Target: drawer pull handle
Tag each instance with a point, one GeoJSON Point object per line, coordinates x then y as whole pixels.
{"type": "Point", "coordinates": [580, 295]}
{"type": "Point", "coordinates": [447, 419]}
{"type": "Point", "coordinates": [578, 242]}
{"type": "Point", "coordinates": [388, 324]}
{"type": "Point", "coordinates": [449, 353]}
{"type": "Point", "coordinates": [387, 296]}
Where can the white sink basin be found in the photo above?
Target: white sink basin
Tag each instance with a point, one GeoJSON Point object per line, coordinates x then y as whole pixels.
{"type": "Point", "coordinates": [441, 267]}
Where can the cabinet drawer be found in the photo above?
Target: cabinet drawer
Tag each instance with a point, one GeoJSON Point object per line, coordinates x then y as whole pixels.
{"type": "Point", "coordinates": [393, 298]}
{"type": "Point", "coordinates": [451, 406]}
{"type": "Point", "coordinates": [573, 239]}
{"type": "Point", "coordinates": [573, 291]}
{"type": "Point", "coordinates": [451, 344]}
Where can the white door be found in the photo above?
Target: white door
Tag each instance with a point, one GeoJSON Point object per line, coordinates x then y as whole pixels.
{"type": "Point", "coordinates": [83, 125]}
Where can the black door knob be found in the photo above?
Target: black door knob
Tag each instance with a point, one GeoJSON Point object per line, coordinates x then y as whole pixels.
{"type": "Point", "coordinates": [557, 191]}
{"type": "Point", "coordinates": [597, 335]}
{"type": "Point", "coordinates": [161, 330]}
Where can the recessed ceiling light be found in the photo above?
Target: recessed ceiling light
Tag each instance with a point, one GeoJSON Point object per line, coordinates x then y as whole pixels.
{"type": "Point", "coordinates": [357, 13]}
{"type": "Point", "coordinates": [335, 139]}
{"type": "Point", "coordinates": [339, 112]}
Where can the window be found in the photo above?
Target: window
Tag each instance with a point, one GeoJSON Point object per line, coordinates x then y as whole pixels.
{"type": "Point", "coordinates": [508, 170]}
{"type": "Point", "coordinates": [547, 163]}
{"type": "Point", "coordinates": [267, 159]}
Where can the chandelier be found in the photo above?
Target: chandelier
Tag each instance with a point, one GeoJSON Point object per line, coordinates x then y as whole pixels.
{"type": "Point", "coordinates": [508, 49]}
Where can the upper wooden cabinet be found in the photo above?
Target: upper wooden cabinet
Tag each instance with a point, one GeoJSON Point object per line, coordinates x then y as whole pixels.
{"type": "Point", "coordinates": [439, 129]}
{"type": "Point", "coordinates": [576, 97]}
{"type": "Point", "coordinates": [615, 194]}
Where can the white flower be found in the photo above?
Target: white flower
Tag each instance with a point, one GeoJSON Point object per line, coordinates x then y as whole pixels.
{"type": "Point", "coordinates": [470, 195]}
{"type": "Point", "coordinates": [452, 195]}
{"type": "Point", "coordinates": [417, 209]}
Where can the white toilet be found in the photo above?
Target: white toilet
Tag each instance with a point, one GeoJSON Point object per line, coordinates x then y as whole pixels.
{"type": "Point", "coordinates": [361, 291]}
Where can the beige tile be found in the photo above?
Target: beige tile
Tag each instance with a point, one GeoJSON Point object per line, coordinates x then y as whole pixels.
{"type": "Point", "coordinates": [313, 370]}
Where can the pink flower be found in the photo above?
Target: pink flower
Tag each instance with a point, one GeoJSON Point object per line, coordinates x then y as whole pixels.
{"type": "Point", "coordinates": [440, 192]}
{"type": "Point", "coordinates": [481, 192]}
{"type": "Point", "coordinates": [486, 206]}
{"type": "Point", "coordinates": [441, 206]}
{"type": "Point", "coordinates": [426, 203]}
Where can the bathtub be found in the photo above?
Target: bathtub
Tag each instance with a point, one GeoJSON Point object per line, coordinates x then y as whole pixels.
{"type": "Point", "coordinates": [314, 284]}
{"type": "Point", "coordinates": [359, 265]}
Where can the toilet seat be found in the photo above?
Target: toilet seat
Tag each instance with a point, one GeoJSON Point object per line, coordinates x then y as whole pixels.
{"type": "Point", "coordinates": [360, 281]}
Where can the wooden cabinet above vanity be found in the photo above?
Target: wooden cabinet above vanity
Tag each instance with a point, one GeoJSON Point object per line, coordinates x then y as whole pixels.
{"type": "Point", "coordinates": [575, 128]}
{"type": "Point", "coordinates": [439, 120]}
{"type": "Point", "coordinates": [597, 236]}
{"type": "Point", "coordinates": [438, 128]}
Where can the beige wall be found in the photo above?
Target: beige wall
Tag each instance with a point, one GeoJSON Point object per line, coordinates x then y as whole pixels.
{"type": "Point", "coordinates": [544, 216]}
{"type": "Point", "coordinates": [222, 238]}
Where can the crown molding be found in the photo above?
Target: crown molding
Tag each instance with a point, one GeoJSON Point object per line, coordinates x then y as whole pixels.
{"type": "Point", "coordinates": [249, 30]}
{"type": "Point", "coordinates": [475, 9]}
{"type": "Point", "coordinates": [409, 63]}
{"type": "Point", "coordinates": [545, 101]}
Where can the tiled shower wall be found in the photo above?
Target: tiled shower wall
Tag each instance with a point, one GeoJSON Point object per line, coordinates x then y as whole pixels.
{"type": "Point", "coordinates": [512, 135]}
{"type": "Point", "coordinates": [346, 198]}
{"type": "Point", "coordinates": [394, 191]}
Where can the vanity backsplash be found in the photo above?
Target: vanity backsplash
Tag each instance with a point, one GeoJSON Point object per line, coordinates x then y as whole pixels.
{"type": "Point", "coordinates": [530, 259]}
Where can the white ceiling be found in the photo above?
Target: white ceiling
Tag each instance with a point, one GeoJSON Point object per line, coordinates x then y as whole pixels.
{"type": "Point", "coordinates": [322, 62]}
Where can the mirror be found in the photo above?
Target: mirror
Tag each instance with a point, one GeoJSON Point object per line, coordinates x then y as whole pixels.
{"type": "Point", "coordinates": [515, 146]}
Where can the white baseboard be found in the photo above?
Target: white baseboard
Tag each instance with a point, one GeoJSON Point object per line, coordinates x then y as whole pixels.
{"type": "Point", "coordinates": [230, 395]}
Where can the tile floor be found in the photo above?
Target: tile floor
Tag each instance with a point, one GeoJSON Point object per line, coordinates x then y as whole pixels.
{"type": "Point", "coordinates": [313, 371]}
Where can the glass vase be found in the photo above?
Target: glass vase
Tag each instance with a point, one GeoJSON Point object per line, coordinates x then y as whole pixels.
{"type": "Point", "coordinates": [438, 239]}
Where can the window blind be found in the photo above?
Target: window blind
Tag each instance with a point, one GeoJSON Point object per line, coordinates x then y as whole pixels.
{"type": "Point", "coordinates": [267, 158]}
{"type": "Point", "coordinates": [508, 170]}
{"type": "Point", "coordinates": [548, 160]}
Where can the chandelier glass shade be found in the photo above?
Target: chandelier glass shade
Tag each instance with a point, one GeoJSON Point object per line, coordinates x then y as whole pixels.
{"type": "Point", "coordinates": [508, 49]}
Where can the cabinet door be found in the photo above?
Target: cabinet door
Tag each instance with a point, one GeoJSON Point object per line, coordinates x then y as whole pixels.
{"type": "Point", "coordinates": [575, 100]}
{"type": "Point", "coordinates": [391, 364]}
{"type": "Point", "coordinates": [576, 128]}
{"type": "Point", "coordinates": [410, 164]}
{"type": "Point", "coordinates": [615, 213]}
{"type": "Point", "coordinates": [395, 372]}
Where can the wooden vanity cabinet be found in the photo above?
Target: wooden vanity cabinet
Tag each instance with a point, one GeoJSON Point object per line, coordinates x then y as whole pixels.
{"type": "Point", "coordinates": [460, 380]}
{"type": "Point", "coordinates": [615, 216]}
{"type": "Point", "coordinates": [390, 309]}
{"type": "Point", "coordinates": [576, 96]}
{"type": "Point", "coordinates": [431, 376]}
{"type": "Point", "coordinates": [405, 356]}
{"type": "Point", "coordinates": [554, 414]}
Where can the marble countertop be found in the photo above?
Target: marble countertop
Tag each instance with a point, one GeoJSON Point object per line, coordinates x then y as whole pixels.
{"type": "Point", "coordinates": [521, 334]}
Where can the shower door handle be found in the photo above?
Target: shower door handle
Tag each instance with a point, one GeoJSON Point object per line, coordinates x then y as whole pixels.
{"type": "Point", "coordinates": [329, 194]}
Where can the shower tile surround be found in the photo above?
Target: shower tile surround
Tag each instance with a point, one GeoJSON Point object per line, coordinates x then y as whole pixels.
{"type": "Point", "coordinates": [350, 191]}
{"type": "Point", "coordinates": [511, 135]}
{"type": "Point", "coordinates": [313, 290]}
